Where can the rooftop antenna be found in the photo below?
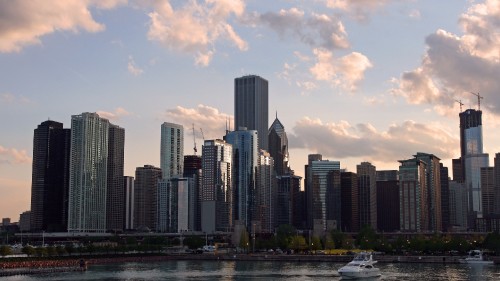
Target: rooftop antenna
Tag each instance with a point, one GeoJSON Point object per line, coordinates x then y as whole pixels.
{"type": "Point", "coordinates": [194, 140]}
{"type": "Point", "coordinates": [479, 97]}
{"type": "Point", "coordinates": [461, 104]}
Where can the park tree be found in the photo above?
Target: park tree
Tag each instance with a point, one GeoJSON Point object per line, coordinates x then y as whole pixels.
{"type": "Point", "coordinates": [244, 239]}
{"type": "Point", "coordinates": [339, 238]}
{"type": "Point", "coordinates": [5, 250]}
{"type": "Point", "coordinates": [283, 235]}
{"type": "Point", "coordinates": [315, 243]}
{"type": "Point", "coordinates": [194, 242]}
{"type": "Point", "coordinates": [297, 243]}
{"type": "Point", "coordinates": [28, 250]}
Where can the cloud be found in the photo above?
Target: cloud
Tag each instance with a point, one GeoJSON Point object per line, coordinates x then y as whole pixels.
{"type": "Point", "coordinates": [13, 156]}
{"type": "Point", "coordinates": [132, 67]}
{"type": "Point", "coordinates": [210, 119]}
{"type": "Point", "coordinates": [359, 9]}
{"type": "Point", "coordinates": [195, 28]}
{"type": "Point", "coordinates": [24, 22]}
{"type": "Point", "coordinates": [453, 65]}
{"type": "Point", "coordinates": [345, 72]}
{"type": "Point", "coordinates": [400, 141]}
{"type": "Point", "coordinates": [414, 14]}
{"type": "Point", "coordinates": [316, 30]}
{"type": "Point", "coordinates": [8, 98]}
{"type": "Point", "coordinates": [113, 116]}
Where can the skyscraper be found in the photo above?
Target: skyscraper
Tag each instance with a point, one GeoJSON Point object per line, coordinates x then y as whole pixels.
{"type": "Point", "coordinates": [265, 199]}
{"type": "Point", "coordinates": [129, 201]}
{"type": "Point", "coordinates": [216, 187]}
{"type": "Point", "coordinates": [192, 171]}
{"type": "Point", "coordinates": [88, 173]}
{"type": "Point", "coordinates": [433, 173]}
{"type": "Point", "coordinates": [173, 205]}
{"type": "Point", "coordinates": [445, 198]}
{"type": "Point", "coordinates": [115, 206]}
{"type": "Point", "coordinates": [251, 106]}
{"type": "Point", "coordinates": [278, 147]}
{"type": "Point", "coordinates": [172, 150]}
{"type": "Point", "coordinates": [350, 202]}
{"type": "Point", "coordinates": [245, 162]}
{"type": "Point", "coordinates": [413, 207]}
{"type": "Point", "coordinates": [367, 181]}
{"type": "Point", "coordinates": [146, 192]}
{"type": "Point", "coordinates": [50, 177]}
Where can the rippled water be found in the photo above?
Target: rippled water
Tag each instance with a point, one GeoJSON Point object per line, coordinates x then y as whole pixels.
{"type": "Point", "coordinates": [241, 270]}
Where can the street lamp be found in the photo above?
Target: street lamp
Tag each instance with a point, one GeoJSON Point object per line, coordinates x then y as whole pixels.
{"type": "Point", "coordinates": [43, 238]}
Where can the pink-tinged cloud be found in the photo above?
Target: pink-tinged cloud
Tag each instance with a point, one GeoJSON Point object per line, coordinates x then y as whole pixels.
{"type": "Point", "coordinates": [345, 72]}
{"type": "Point", "coordinates": [133, 68]}
{"type": "Point", "coordinates": [454, 66]}
{"type": "Point", "coordinates": [359, 9]}
{"type": "Point", "coordinates": [24, 22]}
{"type": "Point", "coordinates": [113, 116]}
{"type": "Point", "coordinates": [400, 141]}
{"type": "Point", "coordinates": [196, 27]}
{"type": "Point", "coordinates": [14, 156]}
{"type": "Point", "coordinates": [209, 119]}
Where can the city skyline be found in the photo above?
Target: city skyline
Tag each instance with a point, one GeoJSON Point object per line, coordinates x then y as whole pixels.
{"type": "Point", "coordinates": [372, 81]}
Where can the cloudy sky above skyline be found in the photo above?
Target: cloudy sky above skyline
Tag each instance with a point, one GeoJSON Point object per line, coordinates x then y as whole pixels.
{"type": "Point", "coordinates": [357, 80]}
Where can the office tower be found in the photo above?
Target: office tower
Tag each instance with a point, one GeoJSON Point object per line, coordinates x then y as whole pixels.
{"type": "Point", "coordinates": [251, 102]}
{"type": "Point", "coordinates": [50, 177]}
{"type": "Point", "coordinates": [289, 201]}
{"type": "Point", "coordinates": [146, 190]}
{"type": "Point", "coordinates": [88, 173]}
{"type": "Point", "coordinates": [265, 193]}
{"type": "Point", "coordinates": [473, 159]}
{"type": "Point", "coordinates": [308, 195]}
{"type": "Point", "coordinates": [192, 171]}
{"type": "Point", "coordinates": [367, 180]}
{"type": "Point", "coordinates": [172, 150]}
{"type": "Point", "coordinates": [458, 206]}
{"type": "Point", "coordinates": [173, 205]}
{"type": "Point", "coordinates": [496, 207]}
{"type": "Point", "coordinates": [388, 205]}
{"type": "Point", "coordinates": [115, 206]}
{"type": "Point", "coordinates": [216, 186]}
{"type": "Point", "coordinates": [245, 162]}
{"type": "Point", "coordinates": [433, 173]}
{"type": "Point", "coordinates": [445, 198]}
{"type": "Point", "coordinates": [324, 185]}
{"type": "Point", "coordinates": [128, 183]}
{"type": "Point", "coordinates": [412, 193]}
{"type": "Point", "coordinates": [350, 202]}
{"type": "Point", "coordinates": [278, 147]}
{"type": "Point", "coordinates": [25, 221]}
{"type": "Point", "coordinates": [457, 170]}
{"type": "Point", "coordinates": [387, 175]}
{"type": "Point", "coordinates": [487, 190]}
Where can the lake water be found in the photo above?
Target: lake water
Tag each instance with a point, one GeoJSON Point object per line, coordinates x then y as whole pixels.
{"type": "Point", "coordinates": [245, 270]}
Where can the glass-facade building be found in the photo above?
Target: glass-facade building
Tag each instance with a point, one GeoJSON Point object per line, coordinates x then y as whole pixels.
{"type": "Point", "coordinates": [172, 150]}
{"type": "Point", "coordinates": [278, 147]}
{"type": "Point", "coordinates": [413, 208]}
{"type": "Point", "coordinates": [88, 173]}
{"type": "Point", "coordinates": [173, 205]}
{"type": "Point", "coordinates": [367, 181]}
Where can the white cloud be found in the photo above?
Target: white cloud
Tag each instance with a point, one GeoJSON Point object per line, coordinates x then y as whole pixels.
{"type": "Point", "coordinates": [24, 22]}
{"type": "Point", "coordinates": [132, 67]}
{"type": "Point", "coordinates": [8, 98]}
{"type": "Point", "coordinates": [195, 28]}
{"type": "Point", "coordinates": [414, 14]}
{"type": "Point", "coordinates": [400, 141]}
{"type": "Point", "coordinates": [359, 9]}
{"type": "Point", "coordinates": [14, 156]}
{"type": "Point", "coordinates": [316, 30]}
{"type": "Point", "coordinates": [210, 119]}
{"type": "Point", "coordinates": [453, 65]}
{"type": "Point", "coordinates": [116, 115]}
{"type": "Point", "coordinates": [345, 72]}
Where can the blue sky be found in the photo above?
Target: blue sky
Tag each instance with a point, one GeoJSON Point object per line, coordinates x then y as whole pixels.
{"type": "Point", "coordinates": [358, 80]}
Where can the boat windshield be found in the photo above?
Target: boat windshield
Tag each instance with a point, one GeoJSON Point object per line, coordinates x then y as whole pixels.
{"type": "Point", "coordinates": [362, 257]}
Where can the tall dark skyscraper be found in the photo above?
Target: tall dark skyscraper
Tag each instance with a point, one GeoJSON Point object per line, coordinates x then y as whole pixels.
{"type": "Point", "coordinates": [146, 190]}
{"type": "Point", "coordinates": [50, 177]}
{"type": "Point", "coordinates": [251, 106]}
{"type": "Point", "coordinates": [115, 197]}
{"type": "Point", "coordinates": [278, 147]}
{"type": "Point", "coordinates": [350, 202]}
{"type": "Point", "coordinates": [192, 171]}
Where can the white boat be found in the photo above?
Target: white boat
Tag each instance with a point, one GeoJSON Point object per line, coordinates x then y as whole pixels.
{"type": "Point", "coordinates": [362, 266]}
{"type": "Point", "coordinates": [475, 257]}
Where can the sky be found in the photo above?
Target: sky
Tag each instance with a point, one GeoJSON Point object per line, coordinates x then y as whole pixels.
{"type": "Point", "coordinates": [353, 80]}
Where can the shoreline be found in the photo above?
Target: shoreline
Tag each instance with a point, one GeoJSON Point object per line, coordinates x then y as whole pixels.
{"type": "Point", "coordinates": [28, 266]}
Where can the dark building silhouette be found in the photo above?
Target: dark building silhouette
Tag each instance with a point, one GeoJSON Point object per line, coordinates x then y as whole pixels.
{"type": "Point", "coordinates": [350, 202]}
{"type": "Point", "coordinates": [146, 187]}
{"type": "Point", "coordinates": [388, 205]}
{"type": "Point", "coordinates": [251, 106]}
{"type": "Point", "coordinates": [278, 147]}
{"type": "Point", "coordinates": [445, 197]}
{"type": "Point", "coordinates": [496, 207]}
{"type": "Point", "coordinates": [457, 170]}
{"type": "Point", "coordinates": [192, 171]}
{"type": "Point", "coordinates": [50, 177]}
{"type": "Point", "coordinates": [115, 192]}
{"type": "Point", "coordinates": [288, 201]}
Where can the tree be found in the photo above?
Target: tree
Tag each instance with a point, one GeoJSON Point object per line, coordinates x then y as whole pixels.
{"type": "Point", "coordinates": [60, 250]}
{"type": "Point", "coordinates": [5, 250]}
{"type": "Point", "coordinates": [69, 248]}
{"type": "Point", "coordinates": [329, 243]}
{"type": "Point", "coordinates": [297, 243]}
{"type": "Point", "coordinates": [41, 251]}
{"type": "Point", "coordinates": [315, 244]}
{"type": "Point", "coordinates": [367, 238]}
{"type": "Point", "coordinates": [338, 238]}
{"type": "Point", "coordinates": [244, 240]}
{"type": "Point", "coordinates": [194, 242]}
{"type": "Point", "coordinates": [283, 235]}
{"type": "Point", "coordinates": [28, 250]}
{"type": "Point", "coordinates": [51, 251]}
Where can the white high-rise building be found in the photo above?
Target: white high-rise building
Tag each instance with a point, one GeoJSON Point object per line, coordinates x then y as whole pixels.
{"type": "Point", "coordinates": [88, 173]}
{"type": "Point", "coordinates": [172, 150]}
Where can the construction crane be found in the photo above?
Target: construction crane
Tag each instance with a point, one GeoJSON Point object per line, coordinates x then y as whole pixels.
{"type": "Point", "coordinates": [479, 97]}
{"type": "Point", "coordinates": [202, 135]}
{"type": "Point", "coordinates": [194, 140]}
{"type": "Point", "coordinates": [461, 104]}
